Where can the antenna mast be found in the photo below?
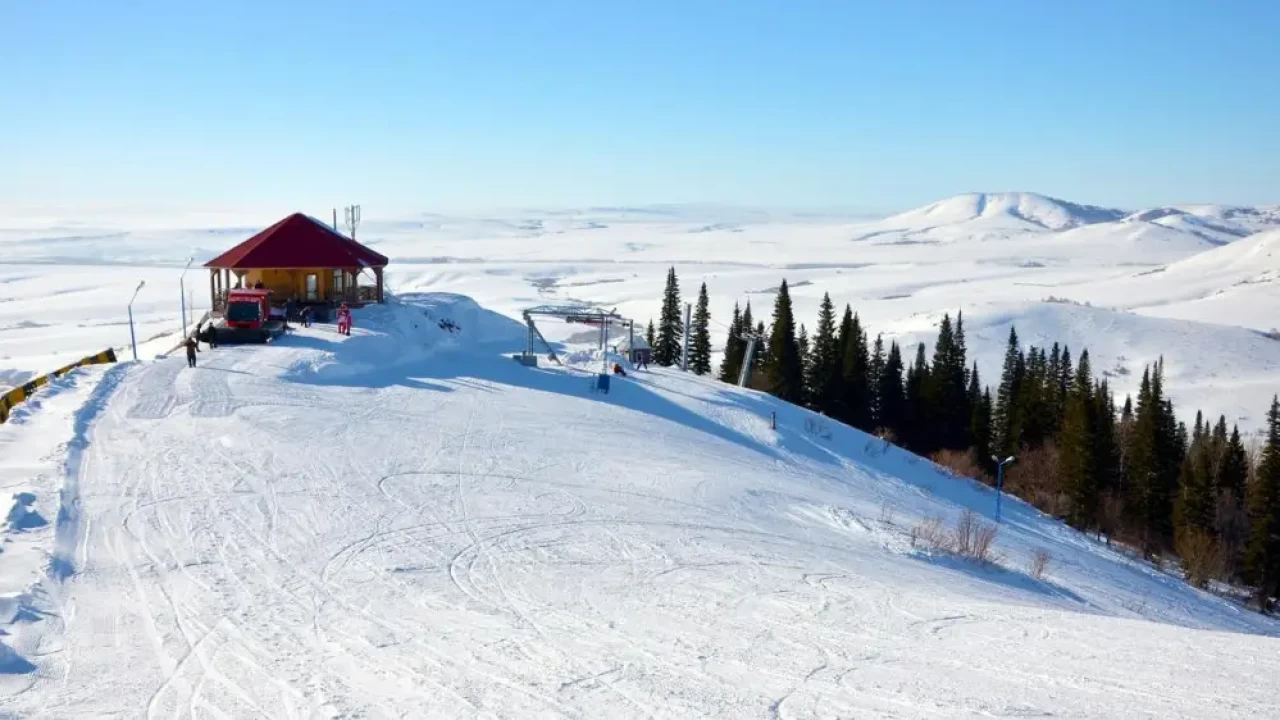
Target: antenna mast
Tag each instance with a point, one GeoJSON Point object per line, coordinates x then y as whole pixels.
{"type": "Point", "coordinates": [352, 214]}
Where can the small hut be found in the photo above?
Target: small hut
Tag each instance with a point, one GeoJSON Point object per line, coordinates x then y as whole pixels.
{"type": "Point", "coordinates": [638, 352]}
{"type": "Point", "coordinates": [299, 259]}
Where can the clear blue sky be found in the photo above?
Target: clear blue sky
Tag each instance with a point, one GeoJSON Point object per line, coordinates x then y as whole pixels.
{"type": "Point", "coordinates": [453, 105]}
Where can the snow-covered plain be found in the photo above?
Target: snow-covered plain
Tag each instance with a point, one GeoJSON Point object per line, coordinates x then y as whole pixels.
{"type": "Point", "coordinates": [404, 523]}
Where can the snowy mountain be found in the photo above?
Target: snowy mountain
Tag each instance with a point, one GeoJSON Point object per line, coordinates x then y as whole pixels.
{"type": "Point", "coordinates": [405, 522]}
{"type": "Point", "coordinates": [1017, 208]}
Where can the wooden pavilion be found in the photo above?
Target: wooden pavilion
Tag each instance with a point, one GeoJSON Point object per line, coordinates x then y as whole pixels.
{"type": "Point", "coordinates": [299, 259]}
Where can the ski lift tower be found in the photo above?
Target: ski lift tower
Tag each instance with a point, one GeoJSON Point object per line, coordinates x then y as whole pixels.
{"type": "Point", "coordinates": [569, 313]}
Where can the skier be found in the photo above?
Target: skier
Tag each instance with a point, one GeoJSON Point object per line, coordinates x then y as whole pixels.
{"type": "Point", "coordinates": [193, 347]}
{"type": "Point", "coordinates": [617, 370]}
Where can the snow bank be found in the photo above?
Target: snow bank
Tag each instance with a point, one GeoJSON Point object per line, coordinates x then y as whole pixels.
{"type": "Point", "coordinates": [407, 331]}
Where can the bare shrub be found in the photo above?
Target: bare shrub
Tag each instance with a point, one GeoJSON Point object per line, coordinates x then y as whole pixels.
{"type": "Point", "coordinates": [959, 464]}
{"type": "Point", "coordinates": [930, 534]}
{"type": "Point", "coordinates": [886, 513]}
{"type": "Point", "coordinates": [973, 538]}
{"type": "Point", "coordinates": [1202, 557]}
{"type": "Point", "coordinates": [1039, 563]}
{"type": "Point", "coordinates": [1034, 478]}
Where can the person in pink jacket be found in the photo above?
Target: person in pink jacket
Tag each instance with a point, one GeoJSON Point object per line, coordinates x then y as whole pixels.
{"type": "Point", "coordinates": [344, 319]}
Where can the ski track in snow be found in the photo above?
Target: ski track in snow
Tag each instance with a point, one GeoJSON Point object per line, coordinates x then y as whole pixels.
{"type": "Point", "coordinates": [493, 541]}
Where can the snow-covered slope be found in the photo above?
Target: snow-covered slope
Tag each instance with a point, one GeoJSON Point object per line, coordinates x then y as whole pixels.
{"type": "Point", "coordinates": [1219, 369]}
{"type": "Point", "coordinates": [407, 523]}
{"type": "Point", "coordinates": [1236, 284]}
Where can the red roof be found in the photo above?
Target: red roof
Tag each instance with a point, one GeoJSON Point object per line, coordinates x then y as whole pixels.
{"type": "Point", "coordinates": [298, 241]}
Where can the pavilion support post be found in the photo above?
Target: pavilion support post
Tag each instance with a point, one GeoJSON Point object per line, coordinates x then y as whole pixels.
{"type": "Point", "coordinates": [377, 273]}
{"type": "Point", "coordinates": [213, 290]}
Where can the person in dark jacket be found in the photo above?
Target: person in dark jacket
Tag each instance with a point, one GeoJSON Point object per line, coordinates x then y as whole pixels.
{"type": "Point", "coordinates": [193, 347]}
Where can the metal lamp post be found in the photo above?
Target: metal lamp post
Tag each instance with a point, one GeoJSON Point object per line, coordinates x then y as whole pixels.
{"type": "Point", "coordinates": [1000, 480]}
{"type": "Point", "coordinates": [182, 290]}
{"type": "Point", "coordinates": [133, 338]}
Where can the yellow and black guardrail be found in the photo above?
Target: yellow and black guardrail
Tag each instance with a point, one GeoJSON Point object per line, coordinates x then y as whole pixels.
{"type": "Point", "coordinates": [10, 399]}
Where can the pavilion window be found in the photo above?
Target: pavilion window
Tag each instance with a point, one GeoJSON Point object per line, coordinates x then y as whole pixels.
{"type": "Point", "coordinates": [338, 285]}
{"type": "Point", "coordinates": [313, 287]}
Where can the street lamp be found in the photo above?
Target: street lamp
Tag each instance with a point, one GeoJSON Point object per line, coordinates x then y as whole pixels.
{"type": "Point", "coordinates": [1000, 479]}
{"type": "Point", "coordinates": [133, 339]}
{"type": "Point", "coordinates": [182, 289]}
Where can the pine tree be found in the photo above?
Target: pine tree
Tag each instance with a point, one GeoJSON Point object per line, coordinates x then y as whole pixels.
{"type": "Point", "coordinates": [649, 336]}
{"type": "Point", "coordinates": [1075, 450]}
{"type": "Point", "coordinates": [1262, 551]}
{"type": "Point", "coordinates": [1036, 388]}
{"type": "Point", "coordinates": [824, 367]}
{"type": "Point", "coordinates": [948, 395]}
{"type": "Point", "coordinates": [1057, 400]}
{"type": "Point", "coordinates": [1140, 464]}
{"type": "Point", "coordinates": [667, 351]}
{"type": "Point", "coordinates": [1106, 442]}
{"type": "Point", "coordinates": [1233, 469]}
{"type": "Point", "coordinates": [874, 374]}
{"type": "Point", "coordinates": [1007, 422]}
{"type": "Point", "coordinates": [891, 392]}
{"type": "Point", "coordinates": [806, 359]}
{"type": "Point", "coordinates": [1170, 444]}
{"type": "Point", "coordinates": [1154, 460]}
{"type": "Point", "coordinates": [979, 418]}
{"type": "Point", "coordinates": [844, 340]}
{"type": "Point", "coordinates": [1196, 505]}
{"type": "Point", "coordinates": [919, 433]}
{"type": "Point", "coordinates": [784, 367]}
{"type": "Point", "coordinates": [734, 348]}
{"type": "Point", "coordinates": [854, 376]}
{"type": "Point", "coordinates": [700, 342]}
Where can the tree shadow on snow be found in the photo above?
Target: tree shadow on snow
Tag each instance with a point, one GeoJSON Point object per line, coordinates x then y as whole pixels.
{"type": "Point", "coordinates": [996, 574]}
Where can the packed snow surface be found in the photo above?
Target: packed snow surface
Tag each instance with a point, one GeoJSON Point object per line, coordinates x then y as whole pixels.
{"type": "Point", "coordinates": [407, 523]}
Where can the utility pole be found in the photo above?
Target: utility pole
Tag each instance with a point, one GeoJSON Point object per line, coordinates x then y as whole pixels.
{"type": "Point", "coordinates": [631, 340]}
{"type": "Point", "coordinates": [1000, 480]}
{"type": "Point", "coordinates": [684, 354]}
{"type": "Point", "coordinates": [182, 295]}
{"type": "Point", "coordinates": [133, 339]}
{"type": "Point", "coordinates": [335, 219]}
{"type": "Point", "coordinates": [745, 373]}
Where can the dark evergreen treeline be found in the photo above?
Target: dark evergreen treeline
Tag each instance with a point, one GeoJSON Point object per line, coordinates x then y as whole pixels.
{"type": "Point", "coordinates": [1129, 472]}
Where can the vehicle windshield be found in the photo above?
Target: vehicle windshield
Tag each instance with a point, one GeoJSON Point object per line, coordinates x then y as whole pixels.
{"type": "Point", "coordinates": [241, 311]}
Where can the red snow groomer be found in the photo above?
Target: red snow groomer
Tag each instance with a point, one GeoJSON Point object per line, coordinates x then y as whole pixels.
{"type": "Point", "coordinates": [247, 308]}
